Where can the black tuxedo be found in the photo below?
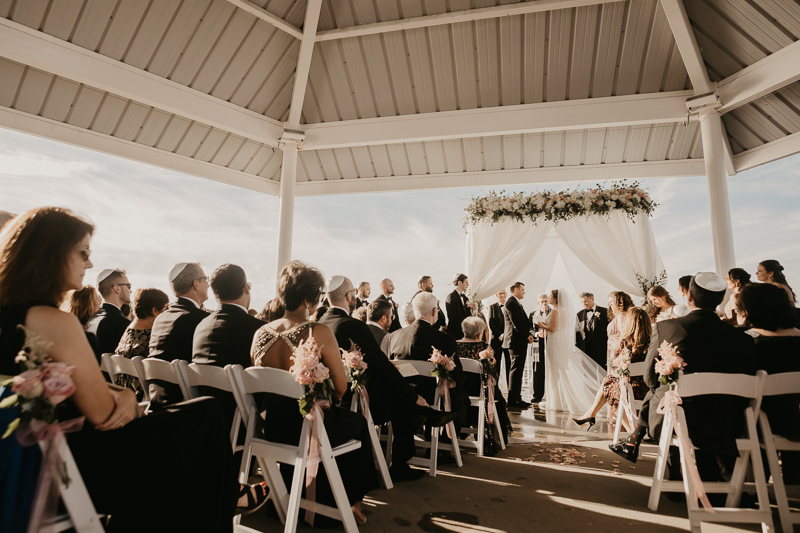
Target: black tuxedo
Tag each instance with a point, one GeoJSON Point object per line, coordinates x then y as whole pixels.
{"type": "Point", "coordinates": [361, 303]}
{"type": "Point", "coordinates": [592, 334]}
{"type": "Point", "coordinates": [441, 321]}
{"type": "Point", "coordinates": [497, 326]}
{"type": "Point", "coordinates": [706, 344]}
{"type": "Point", "coordinates": [391, 397]}
{"type": "Point", "coordinates": [457, 311]}
{"type": "Point", "coordinates": [416, 342]}
{"type": "Point", "coordinates": [517, 331]}
{"type": "Point", "coordinates": [171, 338]}
{"type": "Point", "coordinates": [108, 325]}
{"type": "Point", "coordinates": [395, 325]}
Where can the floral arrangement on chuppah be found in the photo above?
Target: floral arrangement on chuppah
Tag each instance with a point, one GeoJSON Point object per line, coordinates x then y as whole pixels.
{"type": "Point", "coordinates": [561, 205]}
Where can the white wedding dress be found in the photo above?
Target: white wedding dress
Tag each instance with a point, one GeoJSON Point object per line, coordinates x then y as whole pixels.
{"type": "Point", "coordinates": [571, 378]}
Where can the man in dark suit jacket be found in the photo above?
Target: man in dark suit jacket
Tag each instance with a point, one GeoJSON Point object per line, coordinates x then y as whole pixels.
{"type": "Point", "coordinates": [592, 333]}
{"type": "Point", "coordinates": [364, 291]}
{"type": "Point", "coordinates": [173, 330]}
{"type": "Point", "coordinates": [392, 398]}
{"type": "Point", "coordinates": [458, 307]}
{"type": "Point", "coordinates": [518, 333]}
{"type": "Point", "coordinates": [379, 317]}
{"type": "Point", "coordinates": [425, 284]}
{"type": "Point", "coordinates": [109, 324]}
{"type": "Point", "coordinates": [417, 341]}
{"type": "Point", "coordinates": [387, 289]}
{"type": "Point", "coordinates": [224, 337]}
{"type": "Point", "coordinates": [497, 325]}
{"type": "Point", "coordinates": [706, 344]}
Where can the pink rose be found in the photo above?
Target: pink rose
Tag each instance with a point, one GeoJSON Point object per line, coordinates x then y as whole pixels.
{"type": "Point", "coordinates": [59, 370]}
{"type": "Point", "coordinates": [58, 388]}
{"type": "Point", "coordinates": [450, 365]}
{"type": "Point", "coordinates": [28, 384]}
{"type": "Point", "coordinates": [663, 368]}
{"type": "Point", "coordinates": [321, 373]}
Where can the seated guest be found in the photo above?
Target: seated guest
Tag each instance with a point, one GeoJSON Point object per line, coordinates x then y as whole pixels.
{"type": "Point", "coordinates": [360, 314]}
{"type": "Point", "coordinates": [777, 346]}
{"type": "Point", "coordinates": [391, 398]}
{"type": "Point", "coordinates": [737, 279]}
{"type": "Point", "coordinates": [109, 323]}
{"type": "Point", "coordinates": [664, 307]}
{"type": "Point", "coordinates": [417, 342]}
{"type": "Point", "coordinates": [635, 337]}
{"type": "Point", "coordinates": [147, 305]}
{"type": "Point", "coordinates": [300, 288]}
{"type": "Point", "coordinates": [52, 244]}
{"type": "Point", "coordinates": [683, 287]}
{"type": "Point", "coordinates": [173, 330]}
{"type": "Point", "coordinates": [127, 311]}
{"type": "Point", "coordinates": [771, 271]}
{"type": "Point", "coordinates": [706, 344]}
{"type": "Point", "coordinates": [271, 311]}
{"type": "Point", "coordinates": [387, 290]}
{"type": "Point", "coordinates": [470, 347]}
{"type": "Point", "coordinates": [380, 315]}
{"type": "Point", "coordinates": [407, 312]}
{"type": "Point", "coordinates": [83, 303]}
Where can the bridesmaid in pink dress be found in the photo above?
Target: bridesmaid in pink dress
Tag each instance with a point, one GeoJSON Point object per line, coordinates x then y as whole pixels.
{"type": "Point", "coordinates": [618, 303]}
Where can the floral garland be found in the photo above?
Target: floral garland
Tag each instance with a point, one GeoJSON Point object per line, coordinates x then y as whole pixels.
{"type": "Point", "coordinates": [560, 206]}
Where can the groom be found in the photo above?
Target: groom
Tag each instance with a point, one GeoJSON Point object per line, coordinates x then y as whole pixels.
{"type": "Point", "coordinates": [592, 330]}
{"type": "Point", "coordinates": [518, 333]}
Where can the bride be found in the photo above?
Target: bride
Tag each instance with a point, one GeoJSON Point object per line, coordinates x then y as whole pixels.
{"type": "Point", "coordinates": [571, 377]}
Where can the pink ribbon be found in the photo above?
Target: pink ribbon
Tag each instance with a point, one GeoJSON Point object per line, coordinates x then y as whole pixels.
{"type": "Point", "coordinates": [490, 411]}
{"type": "Point", "coordinates": [624, 399]}
{"type": "Point", "coordinates": [313, 459]}
{"type": "Point", "coordinates": [444, 390]}
{"type": "Point", "coordinates": [670, 402]}
{"type": "Point", "coordinates": [45, 501]}
{"type": "Point", "coordinates": [364, 399]}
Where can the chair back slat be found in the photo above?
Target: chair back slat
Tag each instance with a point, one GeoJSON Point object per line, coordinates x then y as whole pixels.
{"type": "Point", "coordinates": [155, 368]}
{"type": "Point", "coordinates": [637, 369]}
{"type": "Point", "coordinates": [471, 365]}
{"type": "Point", "coordinates": [119, 364]}
{"type": "Point", "coordinates": [701, 383]}
{"type": "Point", "coordinates": [208, 376]}
{"type": "Point", "coordinates": [785, 383]}
{"type": "Point", "coordinates": [272, 380]}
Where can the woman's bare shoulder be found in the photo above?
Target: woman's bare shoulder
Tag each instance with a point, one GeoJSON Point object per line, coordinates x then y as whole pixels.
{"type": "Point", "coordinates": [51, 318]}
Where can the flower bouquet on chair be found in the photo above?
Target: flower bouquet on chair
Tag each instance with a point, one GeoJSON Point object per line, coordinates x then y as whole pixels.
{"type": "Point", "coordinates": [669, 361]}
{"type": "Point", "coordinates": [354, 367]}
{"type": "Point", "coordinates": [309, 371]}
{"type": "Point", "coordinates": [488, 363]}
{"type": "Point", "coordinates": [443, 365]}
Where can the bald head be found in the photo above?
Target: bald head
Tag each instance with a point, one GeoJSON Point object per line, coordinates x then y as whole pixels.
{"type": "Point", "coordinates": [344, 295]}
{"type": "Point", "coordinates": [387, 287]}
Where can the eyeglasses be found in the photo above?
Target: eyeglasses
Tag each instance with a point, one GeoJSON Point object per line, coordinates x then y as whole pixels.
{"type": "Point", "coordinates": [201, 279]}
{"type": "Point", "coordinates": [85, 254]}
{"type": "Point", "coordinates": [123, 285]}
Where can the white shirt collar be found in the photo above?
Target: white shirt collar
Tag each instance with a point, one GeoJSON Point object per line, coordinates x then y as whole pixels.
{"type": "Point", "coordinates": [197, 305]}
{"type": "Point", "coordinates": [593, 309]}
{"type": "Point", "coordinates": [342, 308]}
{"type": "Point", "coordinates": [371, 323]}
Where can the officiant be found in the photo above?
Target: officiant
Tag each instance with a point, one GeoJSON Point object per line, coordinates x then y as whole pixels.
{"type": "Point", "coordinates": [591, 332]}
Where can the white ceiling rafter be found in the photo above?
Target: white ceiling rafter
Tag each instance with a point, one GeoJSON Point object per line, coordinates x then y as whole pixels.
{"type": "Point", "coordinates": [303, 63]}
{"type": "Point", "coordinates": [76, 136]}
{"type": "Point", "coordinates": [44, 52]}
{"type": "Point", "coordinates": [268, 17]}
{"type": "Point", "coordinates": [454, 17]}
{"type": "Point", "coordinates": [495, 178]}
{"type": "Point", "coordinates": [759, 79]}
{"type": "Point", "coordinates": [687, 45]}
{"type": "Point", "coordinates": [526, 118]}
{"type": "Point", "coordinates": [768, 153]}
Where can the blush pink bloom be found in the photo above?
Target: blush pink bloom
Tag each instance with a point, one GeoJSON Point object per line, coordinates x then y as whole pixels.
{"type": "Point", "coordinates": [450, 365]}
{"type": "Point", "coordinates": [58, 388]}
{"type": "Point", "coordinates": [60, 370]}
{"type": "Point", "coordinates": [307, 367]}
{"type": "Point", "coordinates": [29, 384]}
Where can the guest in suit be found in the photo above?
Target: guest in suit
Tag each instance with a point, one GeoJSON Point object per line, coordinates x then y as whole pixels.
{"type": "Point", "coordinates": [84, 303]}
{"type": "Point", "coordinates": [458, 306]}
{"type": "Point", "coordinates": [407, 312]}
{"type": "Point", "coordinates": [706, 344]}
{"type": "Point", "coordinates": [425, 284]}
{"type": "Point", "coordinates": [108, 324]}
{"type": "Point", "coordinates": [417, 342]}
{"type": "Point", "coordinates": [497, 326]}
{"type": "Point", "coordinates": [540, 334]}
{"type": "Point", "coordinates": [391, 397]}
{"type": "Point", "coordinates": [592, 334]}
{"type": "Point", "coordinates": [387, 289]}
{"type": "Point", "coordinates": [364, 291]}
{"type": "Point", "coordinates": [380, 314]}
{"type": "Point", "coordinates": [173, 330]}
{"type": "Point", "coordinates": [518, 333]}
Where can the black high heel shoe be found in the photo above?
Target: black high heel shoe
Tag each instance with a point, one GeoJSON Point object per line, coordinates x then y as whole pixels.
{"type": "Point", "coordinates": [582, 421]}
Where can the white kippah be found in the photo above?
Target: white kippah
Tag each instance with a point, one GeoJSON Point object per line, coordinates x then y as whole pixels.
{"type": "Point", "coordinates": [710, 281]}
{"type": "Point", "coordinates": [104, 274]}
{"type": "Point", "coordinates": [176, 270]}
{"type": "Point", "coordinates": [333, 283]}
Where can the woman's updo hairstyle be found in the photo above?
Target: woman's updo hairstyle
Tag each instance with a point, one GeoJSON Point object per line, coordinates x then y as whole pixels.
{"type": "Point", "coordinates": [554, 295]}
{"type": "Point", "coordinates": [298, 283]}
{"type": "Point", "coordinates": [739, 276]}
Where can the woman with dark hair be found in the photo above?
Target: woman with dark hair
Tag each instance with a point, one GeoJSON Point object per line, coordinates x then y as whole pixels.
{"type": "Point", "coordinates": [771, 315]}
{"type": "Point", "coordinates": [664, 307]}
{"type": "Point", "coordinates": [737, 279]}
{"type": "Point", "coordinates": [771, 271]}
{"type": "Point", "coordinates": [273, 310]}
{"type": "Point", "coordinates": [618, 303]}
{"type": "Point", "coordinates": [84, 303]}
{"type": "Point", "coordinates": [300, 288]}
{"type": "Point", "coordinates": [45, 254]}
{"type": "Point", "coordinates": [147, 305]}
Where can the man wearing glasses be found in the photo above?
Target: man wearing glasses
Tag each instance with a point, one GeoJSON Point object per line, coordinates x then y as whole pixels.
{"type": "Point", "coordinates": [108, 324]}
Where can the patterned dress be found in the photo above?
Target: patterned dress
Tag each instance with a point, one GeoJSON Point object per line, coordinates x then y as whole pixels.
{"type": "Point", "coordinates": [611, 383]}
{"type": "Point", "coordinates": [134, 342]}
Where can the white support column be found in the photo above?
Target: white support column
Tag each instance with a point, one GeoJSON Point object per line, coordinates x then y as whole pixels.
{"type": "Point", "coordinates": [714, 158]}
{"type": "Point", "coordinates": [286, 217]}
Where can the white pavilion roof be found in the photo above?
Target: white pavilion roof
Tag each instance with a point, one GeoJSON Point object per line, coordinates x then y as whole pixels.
{"type": "Point", "coordinates": [404, 94]}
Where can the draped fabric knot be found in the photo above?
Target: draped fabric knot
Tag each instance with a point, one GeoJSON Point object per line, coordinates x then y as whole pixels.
{"type": "Point", "coordinates": [313, 458]}
{"type": "Point", "coordinates": [444, 391]}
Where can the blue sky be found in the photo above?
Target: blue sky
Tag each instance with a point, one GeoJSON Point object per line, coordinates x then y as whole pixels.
{"type": "Point", "coordinates": [149, 218]}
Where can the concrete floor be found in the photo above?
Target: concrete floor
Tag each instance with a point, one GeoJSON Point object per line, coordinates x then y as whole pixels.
{"type": "Point", "coordinates": [524, 490]}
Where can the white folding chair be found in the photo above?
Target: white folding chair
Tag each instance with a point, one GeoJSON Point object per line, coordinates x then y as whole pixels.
{"type": "Point", "coordinates": [196, 376]}
{"type": "Point", "coordinates": [424, 368]}
{"type": "Point", "coordinates": [155, 369]}
{"type": "Point", "coordinates": [81, 514]}
{"type": "Point", "coordinates": [474, 367]}
{"type": "Point", "coordinates": [699, 384]}
{"type": "Point", "coordinates": [636, 370]}
{"type": "Point", "coordinates": [774, 385]}
{"type": "Point", "coordinates": [256, 380]}
{"type": "Point", "coordinates": [119, 364]}
{"type": "Point", "coordinates": [374, 437]}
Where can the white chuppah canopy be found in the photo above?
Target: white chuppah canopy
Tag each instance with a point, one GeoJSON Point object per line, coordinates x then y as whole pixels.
{"type": "Point", "coordinates": [608, 231]}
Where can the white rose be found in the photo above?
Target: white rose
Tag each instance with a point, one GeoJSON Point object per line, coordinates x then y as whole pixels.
{"type": "Point", "coordinates": [614, 197]}
{"type": "Point", "coordinates": [560, 204]}
{"type": "Point", "coordinates": [600, 202]}
{"type": "Point", "coordinates": [612, 204]}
